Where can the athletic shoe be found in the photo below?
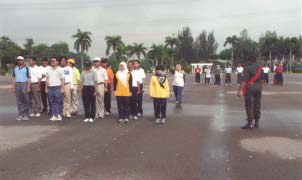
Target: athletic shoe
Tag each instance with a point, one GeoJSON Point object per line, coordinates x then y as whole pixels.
{"type": "Point", "coordinates": [135, 117]}
{"type": "Point", "coordinates": [25, 118]}
{"type": "Point", "coordinates": [68, 116]}
{"type": "Point", "coordinates": [86, 120]}
{"type": "Point", "coordinates": [157, 121]}
{"type": "Point", "coordinates": [32, 115]}
{"type": "Point", "coordinates": [53, 118]}
{"type": "Point", "coordinates": [163, 121]}
{"type": "Point", "coordinates": [131, 117]}
{"type": "Point", "coordinates": [19, 118]}
{"type": "Point", "coordinates": [107, 113]}
{"type": "Point", "coordinates": [126, 121]}
{"type": "Point", "coordinates": [38, 115]}
{"type": "Point", "coordinates": [139, 114]}
{"type": "Point", "coordinates": [177, 102]}
{"type": "Point", "coordinates": [59, 118]}
{"type": "Point", "coordinates": [91, 120]}
{"type": "Point", "coordinates": [121, 120]}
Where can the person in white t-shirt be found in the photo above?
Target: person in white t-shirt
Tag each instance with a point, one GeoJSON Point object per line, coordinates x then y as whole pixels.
{"type": "Point", "coordinates": [141, 73]}
{"type": "Point", "coordinates": [239, 72]}
{"type": "Point", "coordinates": [228, 74]}
{"type": "Point", "coordinates": [266, 71]}
{"type": "Point", "coordinates": [208, 75]}
{"type": "Point", "coordinates": [178, 83]}
{"type": "Point", "coordinates": [55, 88]}
{"type": "Point", "coordinates": [135, 90]}
{"type": "Point", "coordinates": [35, 87]}
{"type": "Point", "coordinates": [44, 67]}
{"type": "Point", "coordinates": [68, 74]}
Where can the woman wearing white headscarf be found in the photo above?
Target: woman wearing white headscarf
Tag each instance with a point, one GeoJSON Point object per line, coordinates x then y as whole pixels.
{"type": "Point", "coordinates": [122, 87]}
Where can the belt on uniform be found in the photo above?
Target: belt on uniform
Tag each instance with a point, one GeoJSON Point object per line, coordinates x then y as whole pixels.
{"type": "Point", "coordinates": [34, 83]}
{"type": "Point", "coordinates": [100, 83]}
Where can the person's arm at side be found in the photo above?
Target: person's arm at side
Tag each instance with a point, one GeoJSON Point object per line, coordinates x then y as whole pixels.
{"type": "Point", "coordinates": [167, 88]}
{"type": "Point", "coordinates": [71, 78]}
{"type": "Point", "coordinates": [62, 82]}
{"type": "Point", "coordinates": [28, 85]}
{"type": "Point", "coordinates": [114, 83]}
{"type": "Point", "coordinates": [105, 80]}
{"type": "Point", "coordinates": [152, 86]}
{"type": "Point", "coordinates": [39, 80]}
{"type": "Point", "coordinates": [14, 81]}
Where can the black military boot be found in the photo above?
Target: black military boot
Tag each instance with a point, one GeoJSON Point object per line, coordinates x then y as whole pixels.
{"type": "Point", "coordinates": [249, 125]}
{"type": "Point", "coordinates": [256, 124]}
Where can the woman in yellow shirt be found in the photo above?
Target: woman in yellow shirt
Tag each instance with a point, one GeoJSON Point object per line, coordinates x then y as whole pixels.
{"type": "Point", "coordinates": [122, 87]}
{"type": "Point", "coordinates": [159, 91]}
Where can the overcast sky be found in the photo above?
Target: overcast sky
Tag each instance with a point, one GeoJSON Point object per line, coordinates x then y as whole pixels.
{"type": "Point", "coordinates": [147, 21]}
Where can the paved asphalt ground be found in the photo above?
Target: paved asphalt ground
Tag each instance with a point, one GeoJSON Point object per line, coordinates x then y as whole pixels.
{"type": "Point", "coordinates": [202, 140]}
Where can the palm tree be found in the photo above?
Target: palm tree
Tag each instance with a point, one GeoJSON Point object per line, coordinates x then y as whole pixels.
{"type": "Point", "coordinates": [29, 46]}
{"type": "Point", "coordinates": [82, 43]}
{"type": "Point", "coordinates": [139, 49]}
{"type": "Point", "coordinates": [292, 44]}
{"type": "Point", "coordinates": [158, 52]}
{"type": "Point", "coordinates": [233, 41]}
{"type": "Point", "coordinates": [115, 43]}
{"type": "Point", "coordinates": [172, 42]}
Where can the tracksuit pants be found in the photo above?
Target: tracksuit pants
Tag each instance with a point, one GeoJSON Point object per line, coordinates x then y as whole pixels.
{"type": "Point", "coordinates": [89, 101]}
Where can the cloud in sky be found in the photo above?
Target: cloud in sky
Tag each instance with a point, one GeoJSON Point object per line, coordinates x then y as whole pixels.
{"type": "Point", "coordinates": [147, 21]}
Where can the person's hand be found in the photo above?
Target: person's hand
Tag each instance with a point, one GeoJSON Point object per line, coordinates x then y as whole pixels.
{"type": "Point", "coordinates": [46, 90]}
{"type": "Point", "coordinates": [62, 90]}
{"type": "Point", "coordinates": [240, 93]}
{"type": "Point", "coordinates": [105, 89]}
{"type": "Point", "coordinates": [28, 90]}
{"type": "Point", "coordinates": [38, 88]}
{"type": "Point", "coordinates": [95, 93]}
{"type": "Point", "coordinates": [138, 92]}
{"type": "Point", "coordinates": [14, 91]}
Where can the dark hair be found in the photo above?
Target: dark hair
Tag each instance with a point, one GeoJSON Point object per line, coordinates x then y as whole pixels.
{"type": "Point", "coordinates": [104, 60]}
{"type": "Point", "coordinates": [131, 61]}
{"type": "Point", "coordinates": [44, 59]}
{"type": "Point", "coordinates": [160, 67]}
{"type": "Point", "coordinates": [136, 61]}
{"type": "Point", "coordinates": [32, 57]}
{"type": "Point", "coordinates": [252, 58]}
{"type": "Point", "coordinates": [54, 57]}
{"type": "Point", "coordinates": [63, 57]}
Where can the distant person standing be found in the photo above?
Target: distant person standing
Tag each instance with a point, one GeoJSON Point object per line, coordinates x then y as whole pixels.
{"type": "Point", "coordinates": [21, 88]}
{"type": "Point", "coordinates": [251, 88]}
{"type": "Point", "coordinates": [35, 88]}
{"type": "Point", "coordinates": [279, 74]}
{"type": "Point", "coordinates": [74, 91]}
{"type": "Point", "coordinates": [88, 91]}
{"type": "Point", "coordinates": [135, 90]}
{"type": "Point", "coordinates": [107, 95]}
{"type": "Point", "coordinates": [68, 74]}
{"type": "Point", "coordinates": [159, 91]}
{"type": "Point", "coordinates": [55, 88]}
{"type": "Point", "coordinates": [178, 83]}
{"type": "Point", "coordinates": [228, 75]}
{"type": "Point", "coordinates": [239, 72]}
{"type": "Point", "coordinates": [141, 77]}
{"type": "Point", "coordinates": [122, 87]}
{"type": "Point", "coordinates": [208, 76]}
{"type": "Point", "coordinates": [218, 75]}
{"type": "Point", "coordinates": [100, 78]}
{"type": "Point", "coordinates": [44, 97]}
{"type": "Point", "coordinates": [266, 71]}
{"type": "Point", "coordinates": [198, 72]}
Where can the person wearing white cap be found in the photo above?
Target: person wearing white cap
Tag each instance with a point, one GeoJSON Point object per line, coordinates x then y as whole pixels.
{"type": "Point", "coordinates": [100, 78]}
{"type": "Point", "coordinates": [21, 88]}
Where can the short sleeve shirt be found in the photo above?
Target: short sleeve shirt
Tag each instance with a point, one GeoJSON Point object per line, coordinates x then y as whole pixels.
{"type": "Point", "coordinates": [21, 73]}
{"type": "Point", "coordinates": [87, 78]}
{"type": "Point", "coordinates": [54, 76]}
{"type": "Point", "coordinates": [35, 74]}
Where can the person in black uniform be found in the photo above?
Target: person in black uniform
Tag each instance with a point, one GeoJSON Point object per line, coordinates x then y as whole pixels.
{"type": "Point", "coordinates": [252, 81]}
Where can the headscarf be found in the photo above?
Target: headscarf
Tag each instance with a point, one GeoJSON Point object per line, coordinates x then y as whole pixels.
{"type": "Point", "coordinates": [122, 75]}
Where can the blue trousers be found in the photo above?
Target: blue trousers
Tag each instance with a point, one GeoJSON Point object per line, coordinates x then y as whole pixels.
{"type": "Point", "coordinates": [178, 91]}
{"type": "Point", "coordinates": [55, 100]}
{"type": "Point", "coordinates": [22, 99]}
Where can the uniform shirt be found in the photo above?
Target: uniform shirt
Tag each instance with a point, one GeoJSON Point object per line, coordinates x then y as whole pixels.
{"type": "Point", "coordinates": [43, 72]}
{"type": "Point", "coordinates": [140, 74]}
{"type": "Point", "coordinates": [35, 74]}
{"type": "Point", "coordinates": [239, 70]}
{"type": "Point", "coordinates": [100, 75]}
{"type": "Point", "coordinates": [208, 73]}
{"type": "Point", "coordinates": [120, 88]}
{"type": "Point", "coordinates": [54, 76]}
{"type": "Point", "coordinates": [179, 79]}
{"type": "Point", "coordinates": [197, 70]}
{"type": "Point", "coordinates": [76, 75]}
{"type": "Point", "coordinates": [156, 91]}
{"type": "Point", "coordinates": [87, 78]}
{"type": "Point", "coordinates": [218, 71]}
{"type": "Point", "coordinates": [250, 72]}
{"type": "Point", "coordinates": [21, 73]}
{"type": "Point", "coordinates": [68, 74]}
{"type": "Point", "coordinates": [110, 75]}
{"type": "Point", "coordinates": [266, 70]}
{"type": "Point", "coordinates": [136, 78]}
{"type": "Point", "coordinates": [228, 70]}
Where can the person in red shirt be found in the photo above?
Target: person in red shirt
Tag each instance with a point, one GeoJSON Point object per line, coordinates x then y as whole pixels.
{"type": "Point", "coordinates": [279, 74]}
{"type": "Point", "coordinates": [197, 74]}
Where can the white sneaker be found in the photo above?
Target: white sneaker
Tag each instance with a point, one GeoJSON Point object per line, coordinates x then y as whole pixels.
{"type": "Point", "coordinates": [91, 120]}
{"type": "Point", "coordinates": [131, 117]}
{"type": "Point", "coordinates": [157, 121]}
{"type": "Point", "coordinates": [68, 116]}
{"type": "Point", "coordinates": [107, 113]}
{"type": "Point", "coordinates": [59, 118]}
{"type": "Point", "coordinates": [32, 115]}
{"type": "Point", "coordinates": [25, 118]}
{"type": "Point", "coordinates": [139, 114]}
{"type": "Point", "coordinates": [86, 120]}
{"type": "Point", "coordinates": [38, 115]}
{"type": "Point", "coordinates": [163, 121]}
{"type": "Point", "coordinates": [53, 118]}
{"type": "Point", "coordinates": [121, 120]}
{"type": "Point", "coordinates": [19, 118]}
{"type": "Point", "coordinates": [135, 117]}
{"type": "Point", "coordinates": [126, 120]}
